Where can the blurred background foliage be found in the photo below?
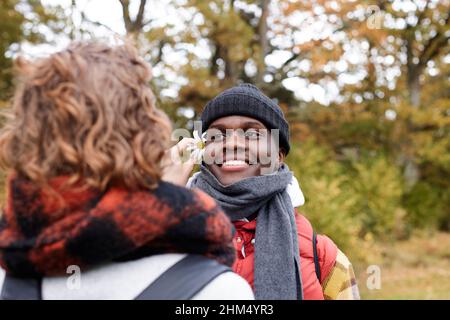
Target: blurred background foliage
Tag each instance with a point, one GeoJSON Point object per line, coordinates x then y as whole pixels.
{"type": "Point", "coordinates": [364, 85]}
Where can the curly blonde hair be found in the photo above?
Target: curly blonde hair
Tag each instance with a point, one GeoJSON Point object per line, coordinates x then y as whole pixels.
{"type": "Point", "coordinates": [87, 112]}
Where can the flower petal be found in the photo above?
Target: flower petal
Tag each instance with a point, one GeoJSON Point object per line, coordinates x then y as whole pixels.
{"type": "Point", "coordinates": [196, 136]}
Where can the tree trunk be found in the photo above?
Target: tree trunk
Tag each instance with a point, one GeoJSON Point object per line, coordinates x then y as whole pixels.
{"type": "Point", "coordinates": [413, 71]}
{"type": "Point", "coordinates": [414, 87]}
{"type": "Point", "coordinates": [231, 69]}
{"type": "Point", "coordinates": [263, 42]}
{"type": "Point", "coordinates": [411, 171]}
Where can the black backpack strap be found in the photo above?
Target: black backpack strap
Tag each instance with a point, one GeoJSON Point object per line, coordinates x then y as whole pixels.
{"type": "Point", "coordinates": [21, 288]}
{"type": "Point", "coordinates": [184, 279]}
{"type": "Point", "coordinates": [180, 282]}
{"type": "Point", "coordinates": [316, 257]}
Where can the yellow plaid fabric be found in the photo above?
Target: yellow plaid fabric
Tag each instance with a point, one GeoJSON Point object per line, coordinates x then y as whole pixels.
{"type": "Point", "coordinates": [341, 282]}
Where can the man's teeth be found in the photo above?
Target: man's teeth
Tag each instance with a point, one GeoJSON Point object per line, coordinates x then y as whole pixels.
{"type": "Point", "coordinates": [236, 163]}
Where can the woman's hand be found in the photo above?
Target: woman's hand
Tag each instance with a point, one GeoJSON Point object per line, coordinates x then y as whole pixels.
{"type": "Point", "coordinates": [177, 164]}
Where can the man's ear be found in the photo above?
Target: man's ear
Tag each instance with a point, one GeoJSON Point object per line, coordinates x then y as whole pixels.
{"type": "Point", "coordinates": [281, 155]}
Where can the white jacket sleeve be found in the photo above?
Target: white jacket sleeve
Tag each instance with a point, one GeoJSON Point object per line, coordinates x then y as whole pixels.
{"type": "Point", "coordinates": [2, 277]}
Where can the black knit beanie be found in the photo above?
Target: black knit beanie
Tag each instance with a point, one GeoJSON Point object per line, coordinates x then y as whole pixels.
{"type": "Point", "coordinates": [247, 100]}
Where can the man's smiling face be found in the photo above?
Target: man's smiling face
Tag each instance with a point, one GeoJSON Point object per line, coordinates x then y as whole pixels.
{"type": "Point", "coordinates": [240, 147]}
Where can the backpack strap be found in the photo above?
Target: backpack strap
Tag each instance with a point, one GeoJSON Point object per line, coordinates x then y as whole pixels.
{"type": "Point", "coordinates": [184, 279]}
{"type": "Point", "coordinates": [316, 257]}
{"type": "Point", "coordinates": [21, 288]}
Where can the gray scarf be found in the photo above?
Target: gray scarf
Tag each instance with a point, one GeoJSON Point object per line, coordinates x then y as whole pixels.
{"type": "Point", "coordinates": [277, 261]}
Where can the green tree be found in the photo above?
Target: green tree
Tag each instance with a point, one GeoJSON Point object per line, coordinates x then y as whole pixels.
{"type": "Point", "coordinates": [24, 21]}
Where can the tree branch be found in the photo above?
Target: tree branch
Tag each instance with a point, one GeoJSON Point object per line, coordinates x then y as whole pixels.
{"type": "Point", "coordinates": [294, 56]}
{"type": "Point", "coordinates": [138, 23]}
{"type": "Point", "coordinates": [433, 46]}
{"type": "Point", "coordinates": [126, 15]}
{"type": "Point", "coordinates": [97, 23]}
{"type": "Point", "coordinates": [422, 13]}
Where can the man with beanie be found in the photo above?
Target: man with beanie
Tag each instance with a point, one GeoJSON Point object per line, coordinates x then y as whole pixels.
{"type": "Point", "coordinates": [243, 169]}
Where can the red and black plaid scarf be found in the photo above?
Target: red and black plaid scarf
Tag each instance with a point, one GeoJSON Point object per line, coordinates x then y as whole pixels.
{"type": "Point", "coordinates": [40, 235]}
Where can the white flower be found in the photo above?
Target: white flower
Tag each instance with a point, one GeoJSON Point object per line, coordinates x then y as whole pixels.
{"type": "Point", "coordinates": [197, 147]}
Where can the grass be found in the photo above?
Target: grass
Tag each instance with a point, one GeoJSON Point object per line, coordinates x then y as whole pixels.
{"type": "Point", "coordinates": [418, 268]}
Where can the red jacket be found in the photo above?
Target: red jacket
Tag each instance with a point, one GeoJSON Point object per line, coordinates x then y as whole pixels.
{"type": "Point", "coordinates": [326, 250]}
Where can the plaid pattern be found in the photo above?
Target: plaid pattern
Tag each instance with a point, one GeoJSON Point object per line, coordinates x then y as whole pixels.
{"type": "Point", "coordinates": [42, 235]}
{"type": "Point", "coordinates": [340, 284]}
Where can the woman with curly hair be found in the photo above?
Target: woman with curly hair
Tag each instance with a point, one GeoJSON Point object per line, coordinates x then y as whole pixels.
{"type": "Point", "coordinates": [85, 192]}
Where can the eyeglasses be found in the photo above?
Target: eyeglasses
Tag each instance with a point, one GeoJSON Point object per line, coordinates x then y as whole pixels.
{"type": "Point", "coordinates": [216, 135]}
